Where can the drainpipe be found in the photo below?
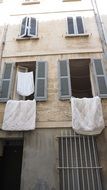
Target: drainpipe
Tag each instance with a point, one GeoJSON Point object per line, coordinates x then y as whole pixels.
{"type": "Point", "coordinates": [100, 28]}
{"type": "Point", "coordinates": [3, 43]}
{"type": "Point", "coordinates": [99, 25]}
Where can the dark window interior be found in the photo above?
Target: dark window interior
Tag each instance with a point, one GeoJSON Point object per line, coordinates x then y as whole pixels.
{"type": "Point", "coordinates": [80, 78]}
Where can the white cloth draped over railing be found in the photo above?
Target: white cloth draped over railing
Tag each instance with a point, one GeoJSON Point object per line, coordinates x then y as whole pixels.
{"type": "Point", "coordinates": [87, 116]}
{"type": "Point", "coordinates": [19, 115]}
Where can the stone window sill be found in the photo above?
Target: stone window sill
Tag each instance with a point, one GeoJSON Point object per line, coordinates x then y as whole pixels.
{"type": "Point", "coordinates": [70, 0]}
{"type": "Point", "coordinates": [27, 38]}
{"type": "Point", "coordinates": [30, 2]}
{"type": "Point", "coordinates": [77, 35]}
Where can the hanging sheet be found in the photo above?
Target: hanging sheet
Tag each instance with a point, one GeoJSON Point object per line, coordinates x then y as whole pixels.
{"type": "Point", "coordinates": [87, 116]}
{"type": "Point", "coordinates": [19, 115]}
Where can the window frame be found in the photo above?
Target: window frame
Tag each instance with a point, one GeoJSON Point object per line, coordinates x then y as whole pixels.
{"type": "Point", "coordinates": [12, 84]}
{"type": "Point", "coordinates": [29, 35]}
{"type": "Point", "coordinates": [93, 79]}
{"type": "Point", "coordinates": [76, 33]}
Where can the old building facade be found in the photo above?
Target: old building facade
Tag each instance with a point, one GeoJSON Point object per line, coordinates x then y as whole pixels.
{"type": "Point", "coordinates": [61, 42]}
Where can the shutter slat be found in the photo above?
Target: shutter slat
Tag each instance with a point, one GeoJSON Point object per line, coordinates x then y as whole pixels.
{"type": "Point", "coordinates": [41, 81]}
{"type": "Point", "coordinates": [70, 25]}
{"type": "Point", "coordinates": [80, 26]}
{"type": "Point", "coordinates": [6, 80]}
{"type": "Point", "coordinates": [100, 77]}
{"type": "Point", "coordinates": [64, 79]}
{"type": "Point", "coordinates": [33, 27]}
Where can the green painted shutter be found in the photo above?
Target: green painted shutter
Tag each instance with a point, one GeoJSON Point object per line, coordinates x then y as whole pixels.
{"type": "Point", "coordinates": [100, 77]}
{"type": "Point", "coordinates": [6, 82]}
{"type": "Point", "coordinates": [64, 79]}
{"type": "Point", "coordinates": [41, 81]}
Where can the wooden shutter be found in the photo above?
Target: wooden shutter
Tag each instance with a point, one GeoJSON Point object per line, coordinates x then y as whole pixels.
{"type": "Point", "coordinates": [23, 27]}
{"type": "Point", "coordinates": [70, 25]}
{"type": "Point", "coordinates": [41, 81]}
{"type": "Point", "coordinates": [6, 82]}
{"type": "Point", "coordinates": [100, 77]}
{"type": "Point", "coordinates": [64, 79]}
{"type": "Point", "coordinates": [32, 27]}
{"type": "Point", "coordinates": [80, 26]}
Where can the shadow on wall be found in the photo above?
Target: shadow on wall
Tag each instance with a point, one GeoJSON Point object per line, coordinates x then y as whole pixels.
{"type": "Point", "coordinates": [42, 185]}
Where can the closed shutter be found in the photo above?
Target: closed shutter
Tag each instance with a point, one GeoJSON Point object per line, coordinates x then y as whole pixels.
{"type": "Point", "coordinates": [100, 78]}
{"type": "Point", "coordinates": [70, 24]}
{"type": "Point", "coordinates": [41, 81]}
{"type": "Point", "coordinates": [32, 27]}
{"type": "Point", "coordinates": [80, 26]}
{"type": "Point", "coordinates": [6, 82]}
{"type": "Point", "coordinates": [64, 79]}
{"type": "Point", "coordinates": [23, 27]}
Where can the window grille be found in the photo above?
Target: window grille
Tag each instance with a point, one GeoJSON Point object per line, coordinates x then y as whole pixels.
{"type": "Point", "coordinates": [79, 167]}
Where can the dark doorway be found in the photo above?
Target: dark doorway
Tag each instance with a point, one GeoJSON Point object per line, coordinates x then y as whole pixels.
{"type": "Point", "coordinates": [11, 164]}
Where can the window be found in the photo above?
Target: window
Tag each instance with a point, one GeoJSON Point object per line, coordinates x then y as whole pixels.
{"type": "Point", "coordinates": [79, 167]}
{"type": "Point", "coordinates": [28, 27]}
{"type": "Point", "coordinates": [81, 78]}
{"type": "Point", "coordinates": [75, 26]}
{"type": "Point", "coordinates": [9, 80]}
{"type": "Point", "coordinates": [27, 2]}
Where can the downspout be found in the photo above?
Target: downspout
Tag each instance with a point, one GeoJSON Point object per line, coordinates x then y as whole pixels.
{"type": "Point", "coordinates": [3, 43]}
{"type": "Point", "coordinates": [2, 49]}
{"type": "Point", "coordinates": [100, 28]}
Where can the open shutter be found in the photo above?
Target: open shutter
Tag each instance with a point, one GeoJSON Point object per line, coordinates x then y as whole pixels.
{"type": "Point", "coordinates": [23, 27]}
{"type": "Point", "coordinates": [32, 27]}
{"type": "Point", "coordinates": [6, 82]}
{"type": "Point", "coordinates": [100, 78]}
{"type": "Point", "coordinates": [70, 25]}
{"type": "Point", "coordinates": [41, 81]}
{"type": "Point", "coordinates": [80, 27]}
{"type": "Point", "coordinates": [64, 79]}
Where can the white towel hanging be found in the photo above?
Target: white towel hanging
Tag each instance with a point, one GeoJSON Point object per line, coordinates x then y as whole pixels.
{"type": "Point", "coordinates": [25, 83]}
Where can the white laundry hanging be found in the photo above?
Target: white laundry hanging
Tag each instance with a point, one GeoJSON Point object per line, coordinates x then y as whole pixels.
{"type": "Point", "coordinates": [25, 83]}
{"type": "Point", "coordinates": [87, 116]}
{"type": "Point", "coordinates": [19, 115]}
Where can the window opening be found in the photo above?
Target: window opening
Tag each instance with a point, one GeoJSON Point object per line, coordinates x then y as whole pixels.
{"type": "Point", "coordinates": [80, 78]}
{"type": "Point", "coordinates": [24, 67]}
